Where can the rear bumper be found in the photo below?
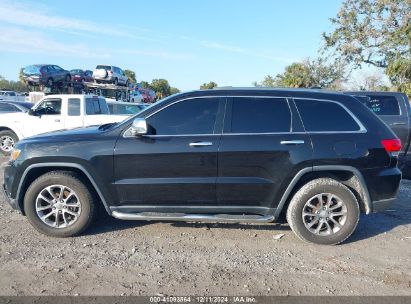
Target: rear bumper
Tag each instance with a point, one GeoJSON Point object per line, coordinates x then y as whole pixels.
{"type": "Point", "coordinates": [383, 186]}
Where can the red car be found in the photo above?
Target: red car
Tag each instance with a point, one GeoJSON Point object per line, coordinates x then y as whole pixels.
{"type": "Point", "coordinates": [149, 96]}
{"type": "Point", "coordinates": [78, 75]}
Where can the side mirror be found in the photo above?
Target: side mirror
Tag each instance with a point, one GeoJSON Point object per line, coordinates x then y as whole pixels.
{"type": "Point", "coordinates": [139, 127]}
{"type": "Point", "coordinates": [33, 112]}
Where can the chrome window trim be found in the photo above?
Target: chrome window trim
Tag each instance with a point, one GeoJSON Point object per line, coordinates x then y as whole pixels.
{"type": "Point", "coordinates": [288, 98]}
{"type": "Point", "coordinates": [359, 123]}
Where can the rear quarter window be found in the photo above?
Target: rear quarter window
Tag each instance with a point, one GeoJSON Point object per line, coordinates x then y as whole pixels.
{"type": "Point", "coordinates": [325, 116]}
{"type": "Point", "coordinates": [383, 105]}
{"type": "Point", "coordinates": [96, 106]}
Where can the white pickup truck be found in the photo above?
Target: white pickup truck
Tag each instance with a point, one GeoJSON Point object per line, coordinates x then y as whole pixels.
{"type": "Point", "coordinates": [52, 113]}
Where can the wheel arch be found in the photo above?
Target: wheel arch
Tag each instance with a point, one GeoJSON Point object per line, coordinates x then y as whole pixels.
{"type": "Point", "coordinates": [36, 170]}
{"type": "Point", "coordinates": [14, 130]}
{"type": "Point", "coordinates": [347, 175]}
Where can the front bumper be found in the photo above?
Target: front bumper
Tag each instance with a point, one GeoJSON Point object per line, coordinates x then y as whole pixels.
{"type": "Point", "coordinates": [12, 202]}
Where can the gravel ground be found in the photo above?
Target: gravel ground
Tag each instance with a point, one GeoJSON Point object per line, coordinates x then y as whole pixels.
{"type": "Point", "coordinates": [150, 258]}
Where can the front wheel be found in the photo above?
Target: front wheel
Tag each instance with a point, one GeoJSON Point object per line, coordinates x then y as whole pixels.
{"type": "Point", "coordinates": [323, 211]}
{"type": "Point", "coordinates": [59, 204]}
{"type": "Point", "coordinates": [7, 141]}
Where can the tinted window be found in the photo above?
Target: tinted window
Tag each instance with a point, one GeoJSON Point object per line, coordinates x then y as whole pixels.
{"type": "Point", "coordinates": [49, 107]}
{"type": "Point", "coordinates": [383, 105]}
{"type": "Point", "coordinates": [32, 69]}
{"type": "Point", "coordinates": [5, 107]}
{"type": "Point", "coordinates": [73, 107]}
{"type": "Point", "coordinates": [96, 106]}
{"type": "Point", "coordinates": [193, 116]}
{"type": "Point", "coordinates": [103, 67]}
{"type": "Point", "coordinates": [57, 68]}
{"type": "Point", "coordinates": [260, 115]}
{"type": "Point", "coordinates": [325, 116]}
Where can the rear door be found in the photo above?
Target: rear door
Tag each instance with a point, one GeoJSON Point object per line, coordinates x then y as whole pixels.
{"type": "Point", "coordinates": [262, 147]}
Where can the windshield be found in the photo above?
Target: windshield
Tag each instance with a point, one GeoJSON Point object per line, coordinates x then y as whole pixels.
{"type": "Point", "coordinates": [32, 69]}
{"type": "Point", "coordinates": [103, 67]}
{"type": "Point", "coordinates": [76, 71]}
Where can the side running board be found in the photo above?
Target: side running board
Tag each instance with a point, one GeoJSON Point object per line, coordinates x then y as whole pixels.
{"type": "Point", "coordinates": [182, 217]}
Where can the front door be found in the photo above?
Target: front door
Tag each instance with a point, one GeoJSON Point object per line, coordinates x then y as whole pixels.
{"type": "Point", "coordinates": [176, 163]}
{"type": "Point", "coordinates": [48, 117]}
{"type": "Point", "coordinates": [263, 145]}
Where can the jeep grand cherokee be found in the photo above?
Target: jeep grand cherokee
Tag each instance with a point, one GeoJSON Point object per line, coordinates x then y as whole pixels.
{"type": "Point", "coordinates": [228, 155]}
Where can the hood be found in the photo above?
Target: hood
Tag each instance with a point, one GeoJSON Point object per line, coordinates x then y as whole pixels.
{"type": "Point", "coordinates": [12, 117]}
{"type": "Point", "coordinates": [65, 135]}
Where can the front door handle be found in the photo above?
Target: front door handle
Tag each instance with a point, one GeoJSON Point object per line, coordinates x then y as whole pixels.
{"type": "Point", "coordinates": [201, 144]}
{"type": "Point", "coordinates": [292, 142]}
{"type": "Point", "coordinates": [398, 124]}
{"type": "Point", "coordinates": [57, 120]}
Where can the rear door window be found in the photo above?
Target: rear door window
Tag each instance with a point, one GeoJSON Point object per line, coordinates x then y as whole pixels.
{"type": "Point", "coordinates": [74, 107]}
{"type": "Point", "coordinates": [325, 116]}
{"type": "Point", "coordinates": [260, 115]}
{"type": "Point", "coordinates": [96, 106]}
{"type": "Point", "coordinates": [383, 105]}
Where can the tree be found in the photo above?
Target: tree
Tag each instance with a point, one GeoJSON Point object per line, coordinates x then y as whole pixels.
{"type": "Point", "coordinates": [306, 74]}
{"type": "Point", "coordinates": [399, 73]}
{"type": "Point", "coordinates": [21, 75]}
{"type": "Point", "coordinates": [174, 90]}
{"type": "Point", "coordinates": [373, 81]}
{"type": "Point", "coordinates": [131, 76]}
{"type": "Point", "coordinates": [161, 87]}
{"type": "Point", "coordinates": [374, 32]}
{"type": "Point", "coordinates": [17, 86]}
{"type": "Point", "coordinates": [208, 86]}
{"type": "Point", "coordinates": [145, 84]}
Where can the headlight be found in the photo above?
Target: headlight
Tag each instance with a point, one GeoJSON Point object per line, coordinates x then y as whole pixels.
{"type": "Point", "coordinates": [15, 154]}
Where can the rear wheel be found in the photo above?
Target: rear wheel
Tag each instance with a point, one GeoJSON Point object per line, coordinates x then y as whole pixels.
{"type": "Point", "coordinates": [323, 211]}
{"type": "Point", "coordinates": [116, 81]}
{"type": "Point", "coordinates": [68, 78]}
{"type": "Point", "coordinates": [7, 141]}
{"type": "Point", "coordinates": [59, 204]}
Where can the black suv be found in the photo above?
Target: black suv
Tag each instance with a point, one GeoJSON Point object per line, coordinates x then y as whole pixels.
{"type": "Point", "coordinates": [229, 155]}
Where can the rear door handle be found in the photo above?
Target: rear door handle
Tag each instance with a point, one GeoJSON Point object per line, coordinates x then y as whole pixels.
{"type": "Point", "coordinates": [292, 142]}
{"type": "Point", "coordinates": [201, 144]}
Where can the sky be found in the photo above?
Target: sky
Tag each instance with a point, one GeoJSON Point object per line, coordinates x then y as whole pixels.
{"type": "Point", "coordinates": [230, 42]}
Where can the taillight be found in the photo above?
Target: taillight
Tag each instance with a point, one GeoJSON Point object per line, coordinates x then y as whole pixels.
{"type": "Point", "coordinates": [391, 145]}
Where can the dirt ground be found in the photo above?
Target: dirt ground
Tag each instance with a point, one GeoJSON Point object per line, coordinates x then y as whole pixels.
{"type": "Point", "coordinates": [150, 258]}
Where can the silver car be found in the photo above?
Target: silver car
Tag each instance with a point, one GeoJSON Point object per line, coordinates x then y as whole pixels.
{"type": "Point", "coordinates": [110, 74]}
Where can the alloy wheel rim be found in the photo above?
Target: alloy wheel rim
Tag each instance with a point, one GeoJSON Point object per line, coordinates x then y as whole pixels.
{"type": "Point", "coordinates": [6, 143]}
{"type": "Point", "coordinates": [58, 206]}
{"type": "Point", "coordinates": [324, 214]}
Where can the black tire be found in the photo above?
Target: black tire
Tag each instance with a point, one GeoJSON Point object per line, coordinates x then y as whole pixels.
{"type": "Point", "coordinates": [127, 83]}
{"type": "Point", "coordinates": [68, 78]}
{"type": "Point", "coordinates": [5, 137]}
{"type": "Point", "coordinates": [115, 81]}
{"type": "Point", "coordinates": [71, 181]}
{"type": "Point", "coordinates": [307, 193]}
